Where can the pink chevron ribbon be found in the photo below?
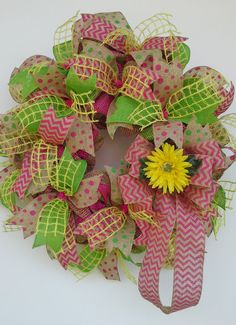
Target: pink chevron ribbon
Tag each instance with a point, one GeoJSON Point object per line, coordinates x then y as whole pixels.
{"type": "Point", "coordinates": [185, 212]}
{"type": "Point", "coordinates": [212, 149]}
{"type": "Point", "coordinates": [139, 149]}
{"type": "Point", "coordinates": [162, 43]}
{"type": "Point", "coordinates": [189, 257]}
{"type": "Point", "coordinates": [53, 129]}
{"type": "Point", "coordinates": [204, 174]}
{"type": "Point", "coordinates": [202, 196]}
{"type": "Point", "coordinates": [133, 190]}
{"type": "Point", "coordinates": [139, 144]}
{"type": "Point", "coordinates": [99, 28]}
{"type": "Point", "coordinates": [22, 182]}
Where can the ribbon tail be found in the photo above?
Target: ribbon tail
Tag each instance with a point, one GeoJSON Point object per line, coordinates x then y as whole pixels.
{"type": "Point", "coordinates": [157, 249]}
{"type": "Point", "coordinates": [189, 259]}
{"type": "Point", "coordinates": [188, 263]}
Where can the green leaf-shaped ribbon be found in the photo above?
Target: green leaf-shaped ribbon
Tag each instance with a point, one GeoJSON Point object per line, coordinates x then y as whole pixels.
{"type": "Point", "coordinates": [90, 259]}
{"type": "Point", "coordinates": [51, 226]}
{"type": "Point", "coordinates": [131, 111]}
{"type": "Point", "coordinates": [198, 97]}
{"type": "Point", "coordinates": [7, 196]}
{"type": "Point", "coordinates": [63, 51]}
{"type": "Point", "coordinates": [220, 198]}
{"type": "Point", "coordinates": [79, 86]}
{"type": "Point", "coordinates": [182, 53]}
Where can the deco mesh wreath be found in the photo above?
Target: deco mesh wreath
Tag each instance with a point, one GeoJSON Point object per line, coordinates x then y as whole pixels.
{"type": "Point", "coordinates": [164, 198]}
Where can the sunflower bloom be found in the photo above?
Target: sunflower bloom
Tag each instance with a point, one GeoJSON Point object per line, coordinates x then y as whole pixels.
{"type": "Point", "coordinates": [167, 169]}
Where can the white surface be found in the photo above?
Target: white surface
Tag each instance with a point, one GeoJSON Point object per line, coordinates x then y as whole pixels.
{"type": "Point", "coordinates": [35, 290]}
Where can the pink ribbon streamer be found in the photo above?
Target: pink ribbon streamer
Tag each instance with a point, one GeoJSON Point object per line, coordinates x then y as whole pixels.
{"type": "Point", "coordinates": [189, 260]}
{"type": "Point", "coordinates": [22, 182]}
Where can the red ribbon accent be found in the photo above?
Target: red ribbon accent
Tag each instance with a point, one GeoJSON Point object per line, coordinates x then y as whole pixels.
{"type": "Point", "coordinates": [60, 150]}
{"type": "Point", "coordinates": [119, 83]}
{"type": "Point", "coordinates": [62, 196]}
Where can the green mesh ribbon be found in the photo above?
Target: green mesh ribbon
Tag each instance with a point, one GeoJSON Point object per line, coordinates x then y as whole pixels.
{"type": "Point", "coordinates": [7, 196]}
{"type": "Point", "coordinates": [198, 97]}
{"type": "Point", "coordinates": [220, 198]}
{"type": "Point", "coordinates": [63, 39]}
{"type": "Point", "coordinates": [131, 111]}
{"type": "Point", "coordinates": [31, 113]}
{"type": "Point", "coordinates": [63, 51]}
{"type": "Point", "coordinates": [68, 174]}
{"type": "Point", "coordinates": [182, 53]}
{"type": "Point", "coordinates": [89, 260]}
{"type": "Point", "coordinates": [51, 226]}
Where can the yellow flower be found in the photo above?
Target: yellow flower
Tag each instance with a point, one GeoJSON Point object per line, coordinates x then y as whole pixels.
{"type": "Point", "coordinates": [167, 169]}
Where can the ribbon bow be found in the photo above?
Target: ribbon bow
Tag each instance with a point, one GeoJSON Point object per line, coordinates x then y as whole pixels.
{"type": "Point", "coordinates": [187, 213]}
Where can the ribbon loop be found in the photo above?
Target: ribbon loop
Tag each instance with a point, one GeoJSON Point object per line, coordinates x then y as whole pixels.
{"type": "Point", "coordinates": [188, 262]}
{"type": "Point", "coordinates": [68, 174]}
{"type": "Point", "coordinates": [102, 225]}
{"type": "Point", "coordinates": [51, 226]}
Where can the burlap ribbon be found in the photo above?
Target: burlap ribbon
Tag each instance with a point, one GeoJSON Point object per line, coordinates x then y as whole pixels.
{"type": "Point", "coordinates": [186, 213]}
{"type": "Point", "coordinates": [189, 256]}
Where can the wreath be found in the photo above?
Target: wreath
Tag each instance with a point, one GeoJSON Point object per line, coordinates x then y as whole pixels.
{"type": "Point", "coordinates": [156, 208]}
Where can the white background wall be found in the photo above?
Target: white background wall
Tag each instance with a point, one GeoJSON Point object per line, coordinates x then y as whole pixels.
{"type": "Point", "coordinates": [34, 290]}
